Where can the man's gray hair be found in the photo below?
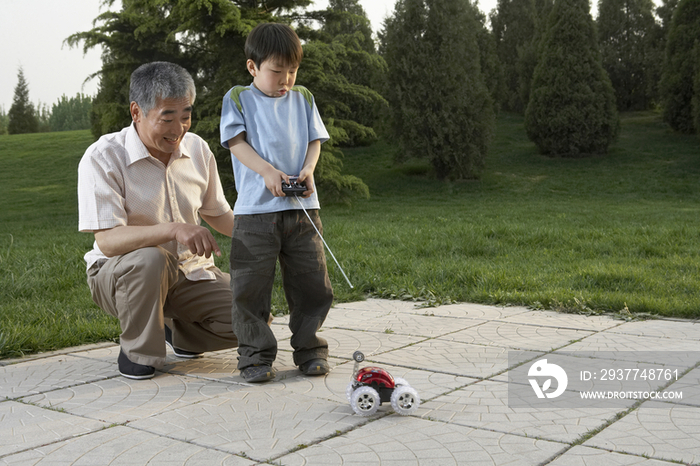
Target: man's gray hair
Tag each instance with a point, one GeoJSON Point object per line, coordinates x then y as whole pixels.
{"type": "Point", "coordinates": [160, 80]}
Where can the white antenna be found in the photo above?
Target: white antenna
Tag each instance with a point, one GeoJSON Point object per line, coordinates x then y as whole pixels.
{"type": "Point", "coordinates": [324, 241]}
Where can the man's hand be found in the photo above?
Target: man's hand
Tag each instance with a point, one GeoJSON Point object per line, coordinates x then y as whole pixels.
{"type": "Point", "coordinates": [198, 239]}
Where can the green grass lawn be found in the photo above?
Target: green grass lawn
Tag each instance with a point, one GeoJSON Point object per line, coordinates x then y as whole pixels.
{"type": "Point", "coordinates": [618, 233]}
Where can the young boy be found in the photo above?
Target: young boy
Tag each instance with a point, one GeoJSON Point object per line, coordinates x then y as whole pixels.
{"type": "Point", "coordinates": [274, 131]}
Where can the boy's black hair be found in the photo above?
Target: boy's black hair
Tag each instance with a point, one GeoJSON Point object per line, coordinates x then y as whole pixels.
{"type": "Point", "coordinates": [273, 41]}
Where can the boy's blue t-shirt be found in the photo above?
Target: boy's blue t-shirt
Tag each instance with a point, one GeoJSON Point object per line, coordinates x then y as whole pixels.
{"type": "Point", "coordinates": [279, 129]}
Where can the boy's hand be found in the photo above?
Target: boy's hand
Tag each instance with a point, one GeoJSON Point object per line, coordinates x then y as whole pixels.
{"type": "Point", "coordinates": [273, 181]}
{"type": "Point", "coordinates": [306, 176]}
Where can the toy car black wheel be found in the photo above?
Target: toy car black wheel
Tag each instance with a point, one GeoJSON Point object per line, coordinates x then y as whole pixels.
{"type": "Point", "coordinates": [365, 401]}
{"type": "Point", "coordinates": [358, 356]}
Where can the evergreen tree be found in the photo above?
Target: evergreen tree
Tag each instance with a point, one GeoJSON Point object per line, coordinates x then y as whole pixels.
{"type": "Point", "coordinates": [491, 67]}
{"type": "Point", "coordinates": [628, 43]}
{"type": "Point", "coordinates": [572, 108]}
{"type": "Point", "coordinates": [665, 14]}
{"type": "Point", "coordinates": [514, 24]}
{"type": "Point", "coordinates": [43, 115]}
{"type": "Point", "coordinates": [4, 120]}
{"type": "Point", "coordinates": [22, 116]}
{"type": "Point", "coordinates": [71, 114]}
{"type": "Point", "coordinates": [207, 38]}
{"type": "Point", "coordinates": [696, 86]}
{"type": "Point", "coordinates": [441, 106]}
{"type": "Point", "coordinates": [679, 75]}
{"type": "Point", "coordinates": [342, 68]}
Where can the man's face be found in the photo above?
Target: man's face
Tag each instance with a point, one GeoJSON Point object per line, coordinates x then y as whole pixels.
{"type": "Point", "coordinates": [163, 128]}
{"type": "Point", "coordinates": [272, 78]}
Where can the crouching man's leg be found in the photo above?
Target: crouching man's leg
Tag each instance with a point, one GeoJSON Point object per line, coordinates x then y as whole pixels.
{"type": "Point", "coordinates": [134, 288]}
{"type": "Point", "coordinates": [201, 314]}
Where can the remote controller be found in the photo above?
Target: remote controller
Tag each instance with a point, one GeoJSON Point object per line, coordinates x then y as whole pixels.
{"type": "Point", "coordinates": [293, 187]}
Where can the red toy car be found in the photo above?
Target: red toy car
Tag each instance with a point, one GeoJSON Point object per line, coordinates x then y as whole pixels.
{"type": "Point", "coordinates": [372, 386]}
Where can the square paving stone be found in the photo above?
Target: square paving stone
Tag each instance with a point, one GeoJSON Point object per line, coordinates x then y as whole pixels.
{"type": "Point", "coordinates": [689, 387]}
{"type": "Point", "coordinates": [677, 330]}
{"type": "Point", "coordinates": [120, 400]}
{"type": "Point", "coordinates": [473, 311]}
{"type": "Point", "coordinates": [408, 441]}
{"type": "Point", "coordinates": [609, 340]}
{"type": "Point", "coordinates": [563, 320]}
{"type": "Point", "coordinates": [379, 305]}
{"type": "Point", "coordinates": [484, 405]}
{"type": "Point", "coordinates": [660, 431]}
{"type": "Point", "coordinates": [215, 365]}
{"type": "Point", "coordinates": [585, 456]}
{"type": "Point", "coordinates": [518, 336]}
{"type": "Point", "coordinates": [123, 446]}
{"type": "Point", "coordinates": [260, 422]}
{"type": "Point", "coordinates": [402, 323]}
{"type": "Point", "coordinates": [39, 375]}
{"type": "Point", "coordinates": [24, 426]}
{"type": "Point", "coordinates": [451, 357]}
{"type": "Point", "coordinates": [343, 343]}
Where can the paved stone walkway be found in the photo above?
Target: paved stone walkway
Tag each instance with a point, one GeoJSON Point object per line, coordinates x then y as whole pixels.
{"type": "Point", "coordinates": [73, 407]}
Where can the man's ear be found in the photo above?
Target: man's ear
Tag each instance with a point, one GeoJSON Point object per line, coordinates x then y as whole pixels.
{"type": "Point", "coordinates": [250, 66]}
{"type": "Point", "coordinates": [136, 113]}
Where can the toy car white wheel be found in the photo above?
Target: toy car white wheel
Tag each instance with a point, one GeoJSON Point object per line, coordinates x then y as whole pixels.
{"type": "Point", "coordinates": [399, 381]}
{"type": "Point", "coordinates": [348, 391]}
{"type": "Point", "coordinates": [405, 400]}
{"type": "Point", "coordinates": [358, 356]}
{"type": "Point", "coordinates": [365, 401]}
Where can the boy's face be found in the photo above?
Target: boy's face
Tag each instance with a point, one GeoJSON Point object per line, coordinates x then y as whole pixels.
{"type": "Point", "coordinates": [272, 78]}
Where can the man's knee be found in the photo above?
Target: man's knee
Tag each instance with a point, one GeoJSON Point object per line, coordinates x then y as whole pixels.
{"type": "Point", "coordinates": [152, 261]}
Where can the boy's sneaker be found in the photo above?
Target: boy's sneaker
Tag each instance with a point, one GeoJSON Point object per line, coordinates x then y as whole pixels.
{"type": "Point", "coordinates": [258, 373]}
{"type": "Point", "coordinates": [131, 370]}
{"type": "Point", "coordinates": [316, 366]}
{"type": "Point", "coordinates": [180, 353]}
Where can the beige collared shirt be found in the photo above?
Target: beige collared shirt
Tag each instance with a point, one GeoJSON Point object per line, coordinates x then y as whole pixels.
{"type": "Point", "coordinates": [120, 184]}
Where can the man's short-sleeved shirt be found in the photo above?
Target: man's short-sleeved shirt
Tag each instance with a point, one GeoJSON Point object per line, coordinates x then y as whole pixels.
{"type": "Point", "coordinates": [120, 184]}
{"type": "Point", "coordinates": [279, 129]}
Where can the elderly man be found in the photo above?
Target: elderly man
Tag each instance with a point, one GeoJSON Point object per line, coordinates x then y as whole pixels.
{"type": "Point", "coordinates": [142, 192]}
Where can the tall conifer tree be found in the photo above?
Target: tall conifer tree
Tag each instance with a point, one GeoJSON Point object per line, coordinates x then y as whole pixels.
{"type": "Point", "coordinates": [680, 68]}
{"type": "Point", "coordinates": [628, 44]}
{"type": "Point", "coordinates": [572, 109]}
{"type": "Point", "coordinates": [514, 24]}
{"type": "Point", "coordinates": [22, 117]}
{"type": "Point", "coordinates": [442, 108]}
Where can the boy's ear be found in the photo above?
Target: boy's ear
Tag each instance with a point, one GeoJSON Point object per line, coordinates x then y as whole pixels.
{"type": "Point", "coordinates": [250, 65]}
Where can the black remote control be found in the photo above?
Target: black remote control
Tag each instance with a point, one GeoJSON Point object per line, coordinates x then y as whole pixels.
{"type": "Point", "coordinates": [293, 188]}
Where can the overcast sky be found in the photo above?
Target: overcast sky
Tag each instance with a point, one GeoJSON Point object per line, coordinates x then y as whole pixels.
{"type": "Point", "coordinates": [32, 34]}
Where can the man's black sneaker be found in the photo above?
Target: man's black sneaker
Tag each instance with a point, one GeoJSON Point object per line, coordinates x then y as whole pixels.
{"type": "Point", "coordinates": [132, 370]}
{"type": "Point", "coordinates": [180, 353]}
{"type": "Point", "coordinates": [258, 373]}
{"type": "Point", "coordinates": [316, 366]}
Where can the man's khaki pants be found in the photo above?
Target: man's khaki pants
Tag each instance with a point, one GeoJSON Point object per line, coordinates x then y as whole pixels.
{"type": "Point", "coordinates": [144, 287]}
